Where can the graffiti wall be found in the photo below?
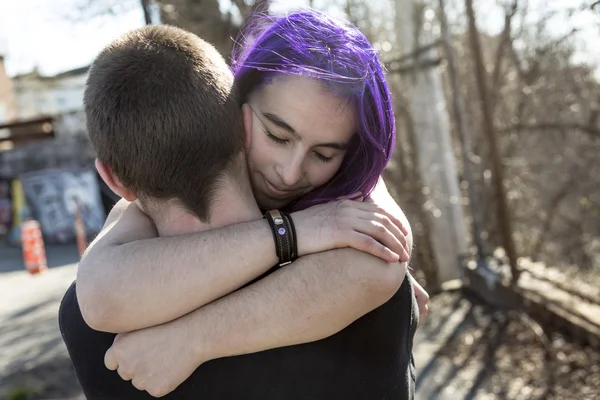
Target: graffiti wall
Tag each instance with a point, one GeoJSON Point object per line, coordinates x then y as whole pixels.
{"type": "Point", "coordinates": [52, 196]}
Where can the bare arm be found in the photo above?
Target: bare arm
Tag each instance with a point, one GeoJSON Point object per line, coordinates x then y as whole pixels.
{"type": "Point", "coordinates": [311, 299]}
{"type": "Point", "coordinates": [126, 267]}
{"type": "Point", "coordinates": [315, 298]}
{"type": "Point", "coordinates": [382, 197]}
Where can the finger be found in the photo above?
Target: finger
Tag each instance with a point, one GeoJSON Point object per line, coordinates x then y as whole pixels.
{"type": "Point", "coordinates": [423, 311]}
{"type": "Point", "coordinates": [382, 234]}
{"type": "Point", "coordinates": [138, 383]}
{"type": "Point", "coordinates": [420, 293]}
{"type": "Point", "coordinates": [123, 374]}
{"type": "Point", "coordinates": [399, 223]}
{"type": "Point", "coordinates": [400, 227]}
{"type": "Point", "coordinates": [423, 314]}
{"type": "Point", "coordinates": [373, 208]}
{"type": "Point", "coordinates": [404, 256]}
{"type": "Point", "coordinates": [366, 243]}
{"type": "Point", "coordinates": [393, 228]}
{"type": "Point", "coordinates": [110, 361]}
{"type": "Point", "coordinates": [156, 390]}
{"type": "Point", "coordinates": [404, 228]}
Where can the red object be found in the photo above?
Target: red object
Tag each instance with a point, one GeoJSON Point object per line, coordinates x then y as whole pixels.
{"type": "Point", "coordinates": [34, 252]}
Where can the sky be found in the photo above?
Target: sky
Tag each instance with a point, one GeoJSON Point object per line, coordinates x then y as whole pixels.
{"type": "Point", "coordinates": [38, 32]}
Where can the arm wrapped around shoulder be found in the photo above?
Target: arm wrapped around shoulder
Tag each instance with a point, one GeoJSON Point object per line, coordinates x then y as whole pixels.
{"type": "Point", "coordinates": [376, 278]}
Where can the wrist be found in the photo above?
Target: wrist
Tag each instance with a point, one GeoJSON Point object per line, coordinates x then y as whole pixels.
{"type": "Point", "coordinates": [284, 236]}
{"type": "Point", "coordinates": [262, 237]}
{"type": "Point", "coordinates": [302, 239]}
{"type": "Point", "coordinates": [198, 335]}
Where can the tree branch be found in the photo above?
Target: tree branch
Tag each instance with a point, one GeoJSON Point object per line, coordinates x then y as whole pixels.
{"type": "Point", "coordinates": [425, 64]}
{"type": "Point", "coordinates": [85, 10]}
{"type": "Point", "coordinates": [248, 9]}
{"type": "Point", "coordinates": [504, 41]}
{"type": "Point", "coordinates": [392, 64]}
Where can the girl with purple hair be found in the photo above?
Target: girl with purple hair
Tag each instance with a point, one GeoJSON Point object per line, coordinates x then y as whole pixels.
{"type": "Point", "coordinates": [310, 49]}
{"type": "Point", "coordinates": [319, 122]}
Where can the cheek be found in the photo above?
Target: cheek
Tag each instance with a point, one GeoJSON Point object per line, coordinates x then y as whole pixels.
{"type": "Point", "coordinates": [260, 153]}
{"type": "Point", "coordinates": [321, 173]}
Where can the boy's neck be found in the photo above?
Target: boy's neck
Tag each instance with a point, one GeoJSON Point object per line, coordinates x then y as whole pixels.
{"type": "Point", "coordinates": [229, 207]}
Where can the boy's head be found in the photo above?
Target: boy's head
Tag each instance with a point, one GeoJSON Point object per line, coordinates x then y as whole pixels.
{"type": "Point", "coordinates": [163, 117]}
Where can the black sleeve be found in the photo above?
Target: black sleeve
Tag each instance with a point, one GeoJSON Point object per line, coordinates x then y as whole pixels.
{"type": "Point", "coordinates": [86, 348]}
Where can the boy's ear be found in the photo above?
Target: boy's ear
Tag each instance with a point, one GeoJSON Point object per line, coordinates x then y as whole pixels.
{"type": "Point", "coordinates": [113, 182]}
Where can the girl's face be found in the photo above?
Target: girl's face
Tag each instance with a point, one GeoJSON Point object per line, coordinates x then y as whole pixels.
{"type": "Point", "coordinates": [297, 134]}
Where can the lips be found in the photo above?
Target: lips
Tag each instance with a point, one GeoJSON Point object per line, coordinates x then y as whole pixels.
{"type": "Point", "coordinates": [277, 192]}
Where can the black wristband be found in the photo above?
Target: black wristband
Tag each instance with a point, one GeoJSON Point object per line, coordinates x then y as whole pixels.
{"type": "Point", "coordinates": [284, 236]}
{"type": "Point", "coordinates": [294, 237]}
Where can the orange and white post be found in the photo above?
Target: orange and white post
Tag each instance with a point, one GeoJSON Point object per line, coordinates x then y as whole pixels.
{"type": "Point", "coordinates": [34, 252]}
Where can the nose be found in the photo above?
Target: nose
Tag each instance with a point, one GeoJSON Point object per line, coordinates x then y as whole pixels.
{"type": "Point", "coordinates": [290, 170]}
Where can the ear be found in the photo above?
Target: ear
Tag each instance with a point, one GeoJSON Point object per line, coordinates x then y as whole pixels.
{"type": "Point", "coordinates": [248, 117]}
{"type": "Point", "coordinates": [113, 182]}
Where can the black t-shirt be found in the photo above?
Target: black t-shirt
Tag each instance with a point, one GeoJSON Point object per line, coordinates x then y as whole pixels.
{"type": "Point", "coordinates": [369, 360]}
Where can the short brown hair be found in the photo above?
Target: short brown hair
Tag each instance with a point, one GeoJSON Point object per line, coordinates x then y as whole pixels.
{"type": "Point", "coordinates": [162, 112]}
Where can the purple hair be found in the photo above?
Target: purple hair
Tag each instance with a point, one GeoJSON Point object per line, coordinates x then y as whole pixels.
{"type": "Point", "coordinates": [311, 44]}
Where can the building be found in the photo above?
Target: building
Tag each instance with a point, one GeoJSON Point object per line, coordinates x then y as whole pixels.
{"type": "Point", "coordinates": [39, 95]}
{"type": "Point", "coordinates": [8, 100]}
{"type": "Point", "coordinates": [45, 155]}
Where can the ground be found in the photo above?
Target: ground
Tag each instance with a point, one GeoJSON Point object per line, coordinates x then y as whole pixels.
{"type": "Point", "coordinates": [464, 350]}
{"type": "Point", "coordinates": [32, 354]}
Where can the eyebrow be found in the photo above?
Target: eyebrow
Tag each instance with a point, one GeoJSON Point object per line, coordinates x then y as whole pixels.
{"type": "Point", "coordinates": [278, 121]}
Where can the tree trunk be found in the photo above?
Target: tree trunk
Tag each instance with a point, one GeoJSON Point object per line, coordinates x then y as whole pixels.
{"type": "Point", "coordinates": [463, 135]}
{"type": "Point", "coordinates": [205, 19]}
{"type": "Point", "coordinates": [504, 218]}
{"type": "Point", "coordinates": [436, 162]}
{"type": "Point", "coordinates": [147, 12]}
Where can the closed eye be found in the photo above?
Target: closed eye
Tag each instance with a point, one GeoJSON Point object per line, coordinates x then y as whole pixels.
{"type": "Point", "coordinates": [323, 158]}
{"type": "Point", "coordinates": [275, 138]}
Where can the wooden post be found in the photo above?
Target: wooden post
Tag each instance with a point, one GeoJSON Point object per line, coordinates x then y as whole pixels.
{"type": "Point", "coordinates": [436, 161]}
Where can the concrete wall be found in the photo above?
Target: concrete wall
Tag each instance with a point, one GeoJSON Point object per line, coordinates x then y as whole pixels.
{"type": "Point", "coordinates": [72, 151]}
{"type": "Point", "coordinates": [39, 95]}
{"type": "Point", "coordinates": [8, 100]}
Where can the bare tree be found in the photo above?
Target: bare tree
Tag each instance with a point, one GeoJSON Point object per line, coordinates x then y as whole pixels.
{"type": "Point", "coordinates": [504, 218]}
{"type": "Point", "coordinates": [201, 17]}
{"type": "Point", "coordinates": [146, 4]}
{"type": "Point", "coordinates": [465, 141]}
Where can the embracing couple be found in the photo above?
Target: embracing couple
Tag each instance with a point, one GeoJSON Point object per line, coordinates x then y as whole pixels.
{"type": "Point", "coordinates": [256, 253]}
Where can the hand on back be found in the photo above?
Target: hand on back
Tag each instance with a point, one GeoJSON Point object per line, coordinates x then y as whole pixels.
{"type": "Point", "coordinates": [363, 225]}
